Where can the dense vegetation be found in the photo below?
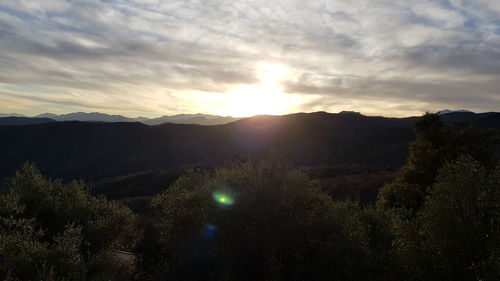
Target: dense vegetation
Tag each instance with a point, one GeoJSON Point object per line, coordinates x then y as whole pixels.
{"type": "Point", "coordinates": [55, 231]}
{"type": "Point", "coordinates": [435, 145]}
{"type": "Point", "coordinates": [438, 218]}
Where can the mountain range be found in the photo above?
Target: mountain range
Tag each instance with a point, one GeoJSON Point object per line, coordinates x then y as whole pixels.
{"type": "Point", "coordinates": [447, 111]}
{"type": "Point", "coordinates": [200, 119]}
{"type": "Point", "coordinates": [98, 150]}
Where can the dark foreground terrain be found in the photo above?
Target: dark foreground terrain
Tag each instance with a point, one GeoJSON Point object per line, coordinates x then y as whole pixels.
{"type": "Point", "coordinates": [301, 197]}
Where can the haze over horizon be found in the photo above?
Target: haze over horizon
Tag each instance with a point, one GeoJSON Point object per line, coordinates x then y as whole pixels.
{"type": "Point", "coordinates": [243, 58]}
{"type": "Point", "coordinates": [205, 115]}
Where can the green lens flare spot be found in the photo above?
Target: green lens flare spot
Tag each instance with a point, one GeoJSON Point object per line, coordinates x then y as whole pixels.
{"type": "Point", "coordinates": [223, 199]}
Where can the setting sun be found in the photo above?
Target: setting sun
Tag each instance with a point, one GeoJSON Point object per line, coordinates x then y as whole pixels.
{"type": "Point", "coordinates": [266, 97]}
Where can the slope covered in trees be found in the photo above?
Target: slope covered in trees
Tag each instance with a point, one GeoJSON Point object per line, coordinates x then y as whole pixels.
{"type": "Point", "coordinates": [17, 121]}
{"type": "Point", "coordinates": [95, 151]}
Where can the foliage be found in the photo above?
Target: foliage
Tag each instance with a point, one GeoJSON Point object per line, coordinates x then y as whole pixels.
{"type": "Point", "coordinates": [58, 231]}
{"type": "Point", "coordinates": [435, 144]}
{"type": "Point", "coordinates": [351, 182]}
{"type": "Point", "coordinates": [456, 234]}
{"type": "Point", "coordinates": [282, 226]}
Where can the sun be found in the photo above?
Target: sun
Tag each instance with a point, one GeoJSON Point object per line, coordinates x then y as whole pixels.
{"type": "Point", "coordinates": [266, 97]}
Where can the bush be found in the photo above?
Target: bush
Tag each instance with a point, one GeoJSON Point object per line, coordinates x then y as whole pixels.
{"type": "Point", "coordinates": [456, 234]}
{"type": "Point", "coordinates": [262, 221]}
{"type": "Point", "coordinates": [53, 230]}
{"type": "Point", "coordinates": [436, 144]}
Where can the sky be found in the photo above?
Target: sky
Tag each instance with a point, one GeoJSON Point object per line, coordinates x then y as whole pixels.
{"type": "Point", "coordinates": [230, 57]}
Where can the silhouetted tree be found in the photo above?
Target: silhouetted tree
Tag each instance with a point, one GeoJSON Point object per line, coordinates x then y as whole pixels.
{"type": "Point", "coordinates": [435, 144]}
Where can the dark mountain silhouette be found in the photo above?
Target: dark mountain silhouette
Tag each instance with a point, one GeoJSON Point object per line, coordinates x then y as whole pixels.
{"type": "Point", "coordinates": [200, 119]}
{"type": "Point", "coordinates": [465, 116]}
{"type": "Point", "coordinates": [15, 121]}
{"type": "Point", "coordinates": [447, 111]}
{"type": "Point", "coordinates": [491, 121]}
{"type": "Point", "coordinates": [95, 151]}
{"type": "Point", "coordinates": [83, 116]}
{"type": "Point", "coordinates": [11, 115]}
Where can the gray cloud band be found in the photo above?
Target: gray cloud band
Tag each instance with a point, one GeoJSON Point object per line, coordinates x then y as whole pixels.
{"type": "Point", "coordinates": [444, 52]}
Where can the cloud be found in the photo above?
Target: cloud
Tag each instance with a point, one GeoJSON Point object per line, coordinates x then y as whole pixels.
{"type": "Point", "coordinates": [161, 57]}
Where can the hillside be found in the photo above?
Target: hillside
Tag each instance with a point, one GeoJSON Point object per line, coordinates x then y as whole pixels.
{"type": "Point", "coordinates": [94, 151]}
{"type": "Point", "coordinates": [199, 119]}
{"type": "Point", "coordinates": [15, 121]}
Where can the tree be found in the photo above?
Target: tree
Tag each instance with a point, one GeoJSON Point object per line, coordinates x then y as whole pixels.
{"type": "Point", "coordinates": [435, 145]}
{"type": "Point", "coordinates": [54, 230]}
{"type": "Point", "coordinates": [262, 221]}
{"type": "Point", "coordinates": [455, 235]}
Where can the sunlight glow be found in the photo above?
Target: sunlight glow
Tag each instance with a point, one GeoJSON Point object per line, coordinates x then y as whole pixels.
{"type": "Point", "coordinates": [266, 97]}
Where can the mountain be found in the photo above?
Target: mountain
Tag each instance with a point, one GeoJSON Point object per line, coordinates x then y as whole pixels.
{"type": "Point", "coordinates": [466, 116]}
{"type": "Point", "coordinates": [447, 111]}
{"type": "Point", "coordinates": [188, 116]}
{"type": "Point", "coordinates": [16, 121]}
{"type": "Point", "coordinates": [83, 116]}
{"type": "Point", "coordinates": [201, 119]}
{"type": "Point", "coordinates": [11, 115]}
{"type": "Point", "coordinates": [94, 151]}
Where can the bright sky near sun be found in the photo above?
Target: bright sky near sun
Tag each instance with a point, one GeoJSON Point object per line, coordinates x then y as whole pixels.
{"type": "Point", "coordinates": [241, 58]}
{"type": "Point", "coordinates": [265, 97]}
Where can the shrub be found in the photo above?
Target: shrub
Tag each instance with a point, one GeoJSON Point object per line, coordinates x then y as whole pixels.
{"type": "Point", "coordinates": [55, 230]}
{"type": "Point", "coordinates": [262, 221]}
{"type": "Point", "coordinates": [456, 234]}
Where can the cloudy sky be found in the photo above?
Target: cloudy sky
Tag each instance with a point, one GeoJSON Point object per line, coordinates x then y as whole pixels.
{"type": "Point", "coordinates": [156, 57]}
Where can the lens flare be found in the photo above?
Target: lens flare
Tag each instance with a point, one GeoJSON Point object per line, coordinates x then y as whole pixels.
{"type": "Point", "coordinates": [223, 199]}
{"type": "Point", "coordinates": [209, 231]}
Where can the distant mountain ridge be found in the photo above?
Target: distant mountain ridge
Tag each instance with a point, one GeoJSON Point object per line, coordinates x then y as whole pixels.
{"type": "Point", "coordinates": [11, 115]}
{"type": "Point", "coordinates": [447, 111]}
{"type": "Point", "coordinates": [83, 116]}
{"type": "Point", "coordinates": [199, 118]}
{"type": "Point", "coordinates": [196, 119]}
{"type": "Point", "coordinates": [17, 121]}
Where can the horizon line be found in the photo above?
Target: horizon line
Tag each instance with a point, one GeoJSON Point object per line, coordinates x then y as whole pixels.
{"type": "Point", "coordinates": [13, 114]}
